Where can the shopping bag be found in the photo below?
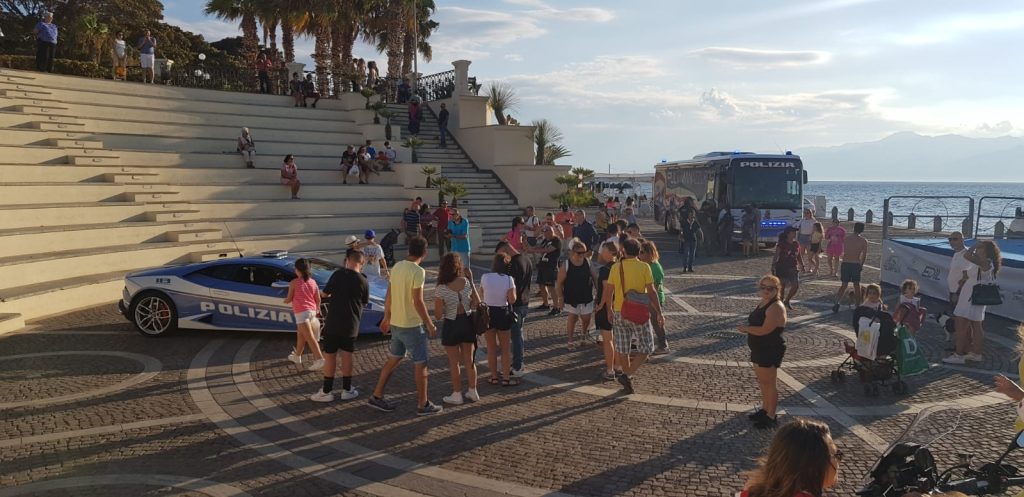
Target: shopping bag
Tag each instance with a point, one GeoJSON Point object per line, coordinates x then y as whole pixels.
{"type": "Point", "coordinates": [909, 359]}
{"type": "Point", "coordinates": [867, 338]}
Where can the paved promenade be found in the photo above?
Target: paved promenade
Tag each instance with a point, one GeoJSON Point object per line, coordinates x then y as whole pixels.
{"type": "Point", "coordinates": [90, 407]}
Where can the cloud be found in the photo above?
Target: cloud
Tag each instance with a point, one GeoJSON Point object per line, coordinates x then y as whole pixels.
{"type": "Point", "coordinates": [998, 129]}
{"type": "Point", "coordinates": [752, 57]}
{"type": "Point", "coordinates": [542, 10]}
{"type": "Point", "coordinates": [471, 33]}
{"type": "Point", "coordinates": [211, 29]}
{"type": "Point", "coordinates": [719, 103]}
{"type": "Point", "coordinates": [514, 57]}
{"type": "Point", "coordinates": [953, 28]}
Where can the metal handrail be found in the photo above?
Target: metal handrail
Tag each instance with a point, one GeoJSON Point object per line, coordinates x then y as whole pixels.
{"type": "Point", "coordinates": [887, 215]}
{"type": "Point", "coordinates": [1001, 217]}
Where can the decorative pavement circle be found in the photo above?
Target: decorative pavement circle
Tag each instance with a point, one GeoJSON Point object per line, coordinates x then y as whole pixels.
{"type": "Point", "coordinates": [53, 374]}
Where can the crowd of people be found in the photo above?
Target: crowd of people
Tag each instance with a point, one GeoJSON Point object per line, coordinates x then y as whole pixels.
{"type": "Point", "coordinates": [611, 277]}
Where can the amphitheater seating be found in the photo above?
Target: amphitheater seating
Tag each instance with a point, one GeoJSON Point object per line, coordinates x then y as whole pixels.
{"type": "Point", "coordinates": [98, 178]}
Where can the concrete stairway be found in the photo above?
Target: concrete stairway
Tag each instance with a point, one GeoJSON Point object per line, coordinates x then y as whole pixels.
{"type": "Point", "coordinates": [491, 206]}
{"type": "Point", "coordinates": [99, 178]}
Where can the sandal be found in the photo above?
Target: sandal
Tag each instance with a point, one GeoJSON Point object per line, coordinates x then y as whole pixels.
{"type": "Point", "coordinates": [493, 381]}
{"type": "Point", "coordinates": [510, 382]}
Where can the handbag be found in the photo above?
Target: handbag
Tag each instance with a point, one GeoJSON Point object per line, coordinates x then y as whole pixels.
{"type": "Point", "coordinates": [634, 304]}
{"type": "Point", "coordinates": [479, 318]}
{"type": "Point", "coordinates": [986, 293]}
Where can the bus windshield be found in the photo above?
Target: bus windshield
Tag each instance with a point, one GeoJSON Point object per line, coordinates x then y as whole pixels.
{"type": "Point", "coordinates": [769, 188]}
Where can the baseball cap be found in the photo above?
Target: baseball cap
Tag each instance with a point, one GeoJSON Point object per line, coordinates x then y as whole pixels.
{"type": "Point", "coordinates": [370, 234]}
{"type": "Point", "coordinates": [351, 239]}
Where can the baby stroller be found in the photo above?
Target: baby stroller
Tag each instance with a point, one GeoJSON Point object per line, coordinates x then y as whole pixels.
{"type": "Point", "coordinates": [387, 244]}
{"type": "Point", "coordinates": [873, 358]}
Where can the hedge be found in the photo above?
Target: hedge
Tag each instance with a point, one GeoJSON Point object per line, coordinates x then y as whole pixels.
{"type": "Point", "coordinates": [60, 66]}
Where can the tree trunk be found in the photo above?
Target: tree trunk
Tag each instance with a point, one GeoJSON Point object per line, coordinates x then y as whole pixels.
{"type": "Point", "coordinates": [338, 69]}
{"type": "Point", "coordinates": [408, 52]}
{"type": "Point", "coordinates": [321, 56]}
{"type": "Point", "coordinates": [250, 45]}
{"type": "Point", "coordinates": [395, 39]}
{"type": "Point", "coordinates": [273, 40]}
{"type": "Point", "coordinates": [288, 41]}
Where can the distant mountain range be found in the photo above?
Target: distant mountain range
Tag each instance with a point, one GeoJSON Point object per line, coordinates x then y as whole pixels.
{"type": "Point", "coordinates": [908, 156]}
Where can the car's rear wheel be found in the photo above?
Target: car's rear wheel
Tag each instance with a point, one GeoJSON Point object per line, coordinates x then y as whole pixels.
{"type": "Point", "coordinates": [153, 314]}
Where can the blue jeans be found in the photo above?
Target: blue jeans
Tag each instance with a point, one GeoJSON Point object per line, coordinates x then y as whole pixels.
{"type": "Point", "coordinates": [443, 129]}
{"type": "Point", "coordinates": [518, 348]}
{"type": "Point", "coordinates": [409, 342]}
{"type": "Point", "coordinates": [689, 249]}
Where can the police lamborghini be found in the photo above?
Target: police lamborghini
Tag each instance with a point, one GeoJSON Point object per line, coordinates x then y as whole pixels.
{"type": "Point", "coordinates": [245, 294]}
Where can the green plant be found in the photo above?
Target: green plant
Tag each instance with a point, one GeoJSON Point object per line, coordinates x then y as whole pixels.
{"type": "Point", "coordinates": [502, 98]}
{"type": "Point", "coordinates": [545, 134]}
{"type": "Point", "coordinates": [377, 107]}
{"type": "Point", "coordinates": [575, 195]}
{"type": "Point", "coordinates": [413, 143]}
{"type": "Point", "coordinates": [455, 190]}
{"type": "Point", "coordinates": [553, 152]}
{"type": "Point", "coordinates": [368, 93]}
{"type": "Point", "coordinates": [428, 171]}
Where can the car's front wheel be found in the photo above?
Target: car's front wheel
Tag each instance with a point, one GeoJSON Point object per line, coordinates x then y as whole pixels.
{"type": "Point", "coordinates": [153, 314]}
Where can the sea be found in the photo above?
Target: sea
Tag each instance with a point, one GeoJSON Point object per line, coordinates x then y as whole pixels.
{"type": "Point", "coordinates": [865, 195]}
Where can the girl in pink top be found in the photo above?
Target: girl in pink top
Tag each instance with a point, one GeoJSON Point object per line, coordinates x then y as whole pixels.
{"type": "Point", "coordinates": [516, 235]}
{"type": "Point", "coordinates": [835, 236]}
{"type": "Point", "coordinates": [304, 296]}
{"type": "Point", "coordinates": [290, 175]}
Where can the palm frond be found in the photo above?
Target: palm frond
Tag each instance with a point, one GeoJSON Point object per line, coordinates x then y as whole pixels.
{"type": "Point", "coordinates": [502, 98]}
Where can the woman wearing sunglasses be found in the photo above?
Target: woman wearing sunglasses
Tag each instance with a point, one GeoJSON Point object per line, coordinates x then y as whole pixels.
{"type": "Point", "coordinates": [802, 461]}
{"type": "Point", "coordinates": [574, 290]}
{"type": "Point", "coordinates": [764, 337]}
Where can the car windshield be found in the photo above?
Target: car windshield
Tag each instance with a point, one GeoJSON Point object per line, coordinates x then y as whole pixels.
{"type": "Point", "coordinates": [322, 270]}
{"type": "Point", "coordinates": [769, 188]}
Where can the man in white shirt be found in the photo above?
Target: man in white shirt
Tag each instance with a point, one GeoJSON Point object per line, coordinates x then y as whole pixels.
{"type": "Point", "coordinates": [957, 268]}
{"type": "Point", "coordinates": [531, 225]}
{"type": "Point", "coordinates": [805, 227]}
{"type": "Point", "coordinates": [374, 256]}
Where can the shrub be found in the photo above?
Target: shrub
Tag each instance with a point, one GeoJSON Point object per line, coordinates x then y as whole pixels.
{"type": "Point", "coordinates": [60, 66]}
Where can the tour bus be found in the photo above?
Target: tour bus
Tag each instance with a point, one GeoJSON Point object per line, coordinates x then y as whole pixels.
{"type": "Point", "coordinates": [771, 182]}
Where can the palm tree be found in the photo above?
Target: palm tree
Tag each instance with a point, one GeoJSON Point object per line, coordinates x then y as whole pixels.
{"type": "Point", "coordinates": [94, 34]}
{"type": "Point", "coordinates": [553, 152]}
{"type": "Point", "coordinates": [394, 35]}
{"type": "Point", "coordinates": [501, 97]}
{"type": "Point", "coordinates": [315, 18]}
{"type": "Point", "coordinates": [428, 171]}
{"type": "Point", "coordinates": [544, 134]}
{"type": "Point", "coordinates": [244, 10]}
{"type": "Point", "coordinates": [422, 24]}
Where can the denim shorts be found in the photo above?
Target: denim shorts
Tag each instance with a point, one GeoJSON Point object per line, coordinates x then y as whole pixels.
{"type": "Point", "coordinates": [411, 342]}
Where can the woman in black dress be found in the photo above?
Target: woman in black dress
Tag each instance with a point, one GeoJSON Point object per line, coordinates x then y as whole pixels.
{"type": "Point", "coordinates": [764, 337]}
{"type": "Point", "coordinates": [785, 264]}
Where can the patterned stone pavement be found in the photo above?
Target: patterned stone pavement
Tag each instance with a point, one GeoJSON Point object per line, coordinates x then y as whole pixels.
{"type": "Point", "coordinates": [89, 407]}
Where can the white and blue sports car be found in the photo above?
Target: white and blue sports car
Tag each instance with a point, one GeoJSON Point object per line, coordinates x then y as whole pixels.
{"type": "Point", "coordinates": [245, 294]}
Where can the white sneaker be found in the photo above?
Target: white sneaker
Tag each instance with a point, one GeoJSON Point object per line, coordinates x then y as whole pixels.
{"type": "Point", "coordinates": [317, 365]}
{"type": "Point", "coordinates": [974, 357]}
{"type": "Point", "coordinates": [472, 395]}
{"type": "Point", "coordinates": [955, 359]}
{"type": "Point", "coordinates": [297, 359]}
{"type": "Point", "coordinates": [322, 397]}
{"type": "Point", "coordinates": [454, 399]}
{"type": "Point", "coordinates": [349, 394]}
{"type": "Point", "coordinates": [519, 372]}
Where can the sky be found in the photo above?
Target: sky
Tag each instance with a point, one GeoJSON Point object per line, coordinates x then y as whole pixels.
{"type": "Point", "coordinates": [633, 83]}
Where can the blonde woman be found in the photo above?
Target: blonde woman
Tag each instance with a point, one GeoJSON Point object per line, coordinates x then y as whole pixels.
{"type": "Point", "coordinates": [767, 347]}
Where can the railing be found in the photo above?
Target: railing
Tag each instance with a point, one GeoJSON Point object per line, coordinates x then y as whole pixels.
{"type": "Point", "coordinates": [1008, 223]}
{"type": "Point", "coordinates": [937, 211]}
{"type": "Point", "coordinates": [392, 90]}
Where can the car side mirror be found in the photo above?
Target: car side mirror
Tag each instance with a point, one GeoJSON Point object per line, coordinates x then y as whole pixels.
{"type": "Point", "coordinates": [279, 284]}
